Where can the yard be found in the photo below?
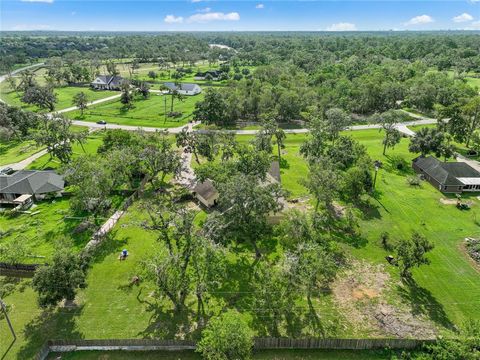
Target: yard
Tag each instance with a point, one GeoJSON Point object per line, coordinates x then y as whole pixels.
{"type": "Point", "coordinates": [145, 112]}
{"type": "Point", "coordinates": [46, 222]}
{"type": "Point", "coordinates": [64, 96]}
{"type": "Point", "coordinates": [446, 292]}
{"type": "Point", "coordinates": [260, 355]}
{"type": "Point", "coordinates": [94, 140]}
{"type": "Point", "coordinates": [14, 151]}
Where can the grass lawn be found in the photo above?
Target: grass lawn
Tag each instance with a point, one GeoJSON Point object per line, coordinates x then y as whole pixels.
{"type": "Point", "coordinates": [14, 151]}
{"type": "Point", "coordinates": [259, 355]}
{"type": "Point", "coordinates": [49, 221]}
{"type": "Point", "coordinates": [64, 96]}
{"type": "Point", "coordinates": [94, 140]}
{"type": "Point", "coordinates": [149, 112]}
{"type": "Point", "coordinates": [447, 291]}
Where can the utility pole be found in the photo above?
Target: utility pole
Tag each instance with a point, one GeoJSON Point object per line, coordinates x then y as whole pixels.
{"type": "Point", "coordinates": [165, 107]}
{"type": "Point", "coordinates": [4, 308]}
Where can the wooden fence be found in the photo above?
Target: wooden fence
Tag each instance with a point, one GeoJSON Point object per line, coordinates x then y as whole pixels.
{"type": "Point", "coordinates": [339, 344]}
{"type": "Point", "coordinates": [259, 344]}
{"type": "Point", "coordinates": [18, 267]}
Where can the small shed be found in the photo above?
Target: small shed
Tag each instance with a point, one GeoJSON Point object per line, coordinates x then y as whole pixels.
{"type": "Point", "coordinates": [206, 193]}
{"type": "Point", "coordinates": [23, 201]}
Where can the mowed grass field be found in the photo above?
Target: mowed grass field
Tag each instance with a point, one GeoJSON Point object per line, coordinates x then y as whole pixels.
{"type": "Point", "coordinates": [64, 96]}
{"type": "Point", "coordinates": [93, 141]}
{"type": "Point", "coordinates": [145, 112]}
{"type": "Point", "coordinates": [14, 151]}
{"type": "Point", "coordinates": [447, 291]}
{"type": "Point", "coordinates": [284, 354]}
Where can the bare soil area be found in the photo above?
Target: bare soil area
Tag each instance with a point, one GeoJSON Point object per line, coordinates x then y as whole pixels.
{"type": "Point", "coordinates": [360, 293]}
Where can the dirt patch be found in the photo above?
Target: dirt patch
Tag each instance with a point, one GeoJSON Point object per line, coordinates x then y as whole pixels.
{"type": "Point", "coordinates": [361, 291]}
{"type": "Point", "coordinates": [454, 202]}
{"type": "Point", "coordinates": [448, 201]}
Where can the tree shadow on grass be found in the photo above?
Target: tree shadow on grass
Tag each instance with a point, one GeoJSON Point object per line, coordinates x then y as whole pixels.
{"type": "Point", "coordinates": [423, 302]}
{"type": "Point", "coordinates": [49, 325]}
{"type": "Point", "coordinates": [165, 323]}
{"type": "Point", "coordinates": [110, 244]}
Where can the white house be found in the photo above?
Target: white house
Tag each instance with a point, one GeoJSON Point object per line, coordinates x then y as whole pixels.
{"type": "Point", "coordinates": [183, 89]}
{"type": "Point", "coordinates": [107, 82]}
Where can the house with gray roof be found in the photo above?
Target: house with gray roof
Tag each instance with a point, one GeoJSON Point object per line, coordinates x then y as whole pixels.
{"type": "Point", "coordinates": [183, 88]}
{"type": "Point", "coordinates": [29, 182]}
{"type": "Point", "coordinates": [107, 82]}
{"type": "Point", "coordinates": [448, 177]}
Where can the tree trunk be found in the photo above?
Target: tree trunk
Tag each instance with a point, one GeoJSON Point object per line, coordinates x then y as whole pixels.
{"type": "Point", "coordinates": [171, 105]}
{"type": "Point", "coordinates": [258, 254]}
{"type": "Point", "coordinates": [385, 146]}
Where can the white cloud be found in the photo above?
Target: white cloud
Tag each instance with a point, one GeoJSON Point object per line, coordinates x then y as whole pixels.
{"type": "Point", "coordinates": [463, 18]}
{"type": "Point", "coordinates": [214, 16]}
{"type": "Point", "coordinates": [420, 20]}
{"type": "Point", "coordinates": [40, 1]}
{"type": "Point", "coordinates": [343, 26]}
{"type": "Point", "coordinates": [206, 10]}
{"type": "Point", "coordinates": [25, 27]}
{"type": "Point", "coordinates": [196, 1]}
{"type": "Point", "coordinates": [259, 6]}
{"type": "Point", "coordinates": [473, 1]}
{"type": "Point", "coordinates": [475, 25]}
{"type": "Point", "coordinates": [172, 19]}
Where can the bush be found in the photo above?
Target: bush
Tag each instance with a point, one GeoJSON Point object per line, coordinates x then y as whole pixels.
{"type": "Point", "coordinates": [226, 337]}
{"type": "Point", "coordinates": [174, 114]}
{"type": "Point", "coordinates": [414, 180]}
{"type": "Point", "coordinates": [399, 163]}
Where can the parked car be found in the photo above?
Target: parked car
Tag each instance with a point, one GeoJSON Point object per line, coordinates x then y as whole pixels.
{"type": "Point", "coordinates": [101, 122]}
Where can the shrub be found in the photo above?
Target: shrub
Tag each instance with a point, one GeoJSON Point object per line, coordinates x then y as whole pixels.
{"type": "Point", "coordinates": [414, 180]}
{"type": "Point", "coordinates": [226, 337]}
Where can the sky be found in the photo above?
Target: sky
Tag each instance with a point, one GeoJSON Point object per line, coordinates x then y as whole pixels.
{"type": "Point", "coordinates": [244, 15]}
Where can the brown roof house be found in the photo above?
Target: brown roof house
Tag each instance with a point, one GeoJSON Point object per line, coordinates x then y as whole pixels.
{"type": "Point", "coordinates": [21, 187]}
{"type": "Point", "coordinates": [448, 177]}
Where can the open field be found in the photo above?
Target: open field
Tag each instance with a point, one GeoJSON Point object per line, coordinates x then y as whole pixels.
{"type": "Point", "coordinates": [94, 140]}
{"type": "Point", "coordinates": [110, 308]}
{"type": "Point", "coordinates": [145, 112]}
{"type": "Point", "coordinates": [49, 221]}
{"type": "Point", "coordinates": [64, 96]}
{"type": "Point", "coordinates": [14, 151]}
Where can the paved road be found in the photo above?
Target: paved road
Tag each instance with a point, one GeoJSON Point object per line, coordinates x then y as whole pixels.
{"type": "Point", "coordinates": [113, 97]}
{"type": "Point", "coordinates": [24, 163]}
{"type": "Point", "coordinates": [14, 72]}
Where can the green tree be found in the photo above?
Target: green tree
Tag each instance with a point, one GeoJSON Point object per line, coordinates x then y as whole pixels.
{"type": "Point", "coordinates": [126, 97]}
{"type": "Point", "coordinates": [336, 120]}
{"type": "Point", "coordinates": [60, 280]}
{"type": "Point", "coordinates": [42, 96]}
{"type": "Point", "coordinates": [92, 180]}
{"type": "Point", "coordinates": [246, 203]}
{"type": "Point", "coordinates": [159, 157]}
{"type": "Point", "coordinates": [212, 109]}
{"type": "Point", "coordinates": [426, 141]}
{"type": "Point", "coordinates": [323, 182]}
{"type": "Point", "coordinates": [472, 113]}
{"type": "Point", "coordinates": [55, 132]}
{"type": "Point", "coordinates": [226, 337]}
{"type": "Point", "coordinates": [80, 100]}
{"type": "Point", "coordinates": [411, 252]}
{"type": "Point", "coordinates": [389, 121]}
